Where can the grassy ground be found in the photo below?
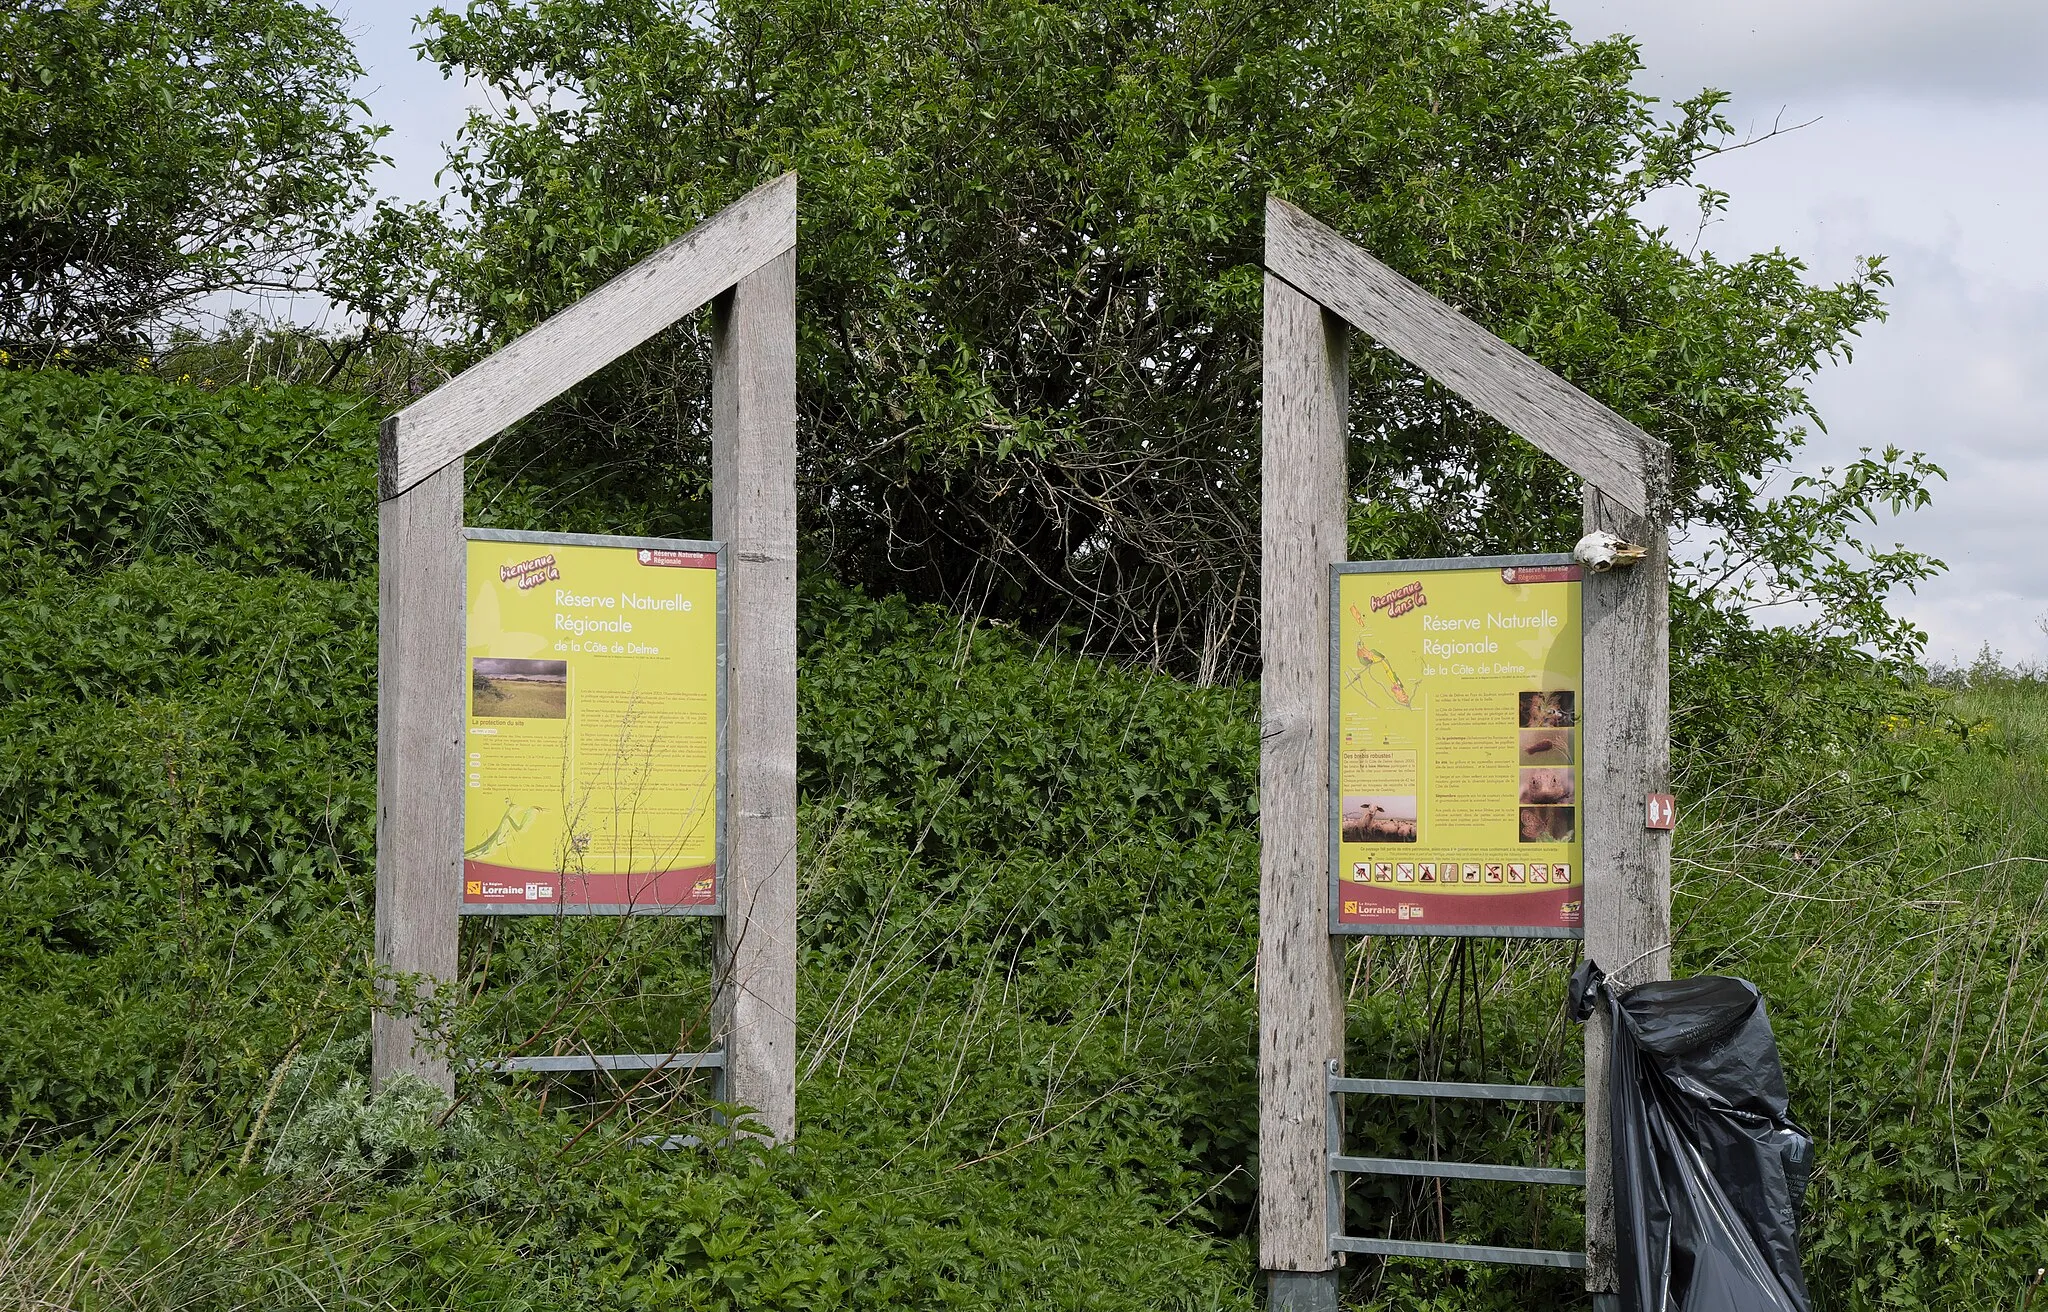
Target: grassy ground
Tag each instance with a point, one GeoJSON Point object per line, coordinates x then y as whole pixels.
{"type": "Point", "coordinates": [522, 698]}
{"type": "Point", "coordinates": [1893, 910]}
{"type": "Point", "coordinates": [2005, 787]}
{"type": "Point", "coordinates": [1027, 1041]}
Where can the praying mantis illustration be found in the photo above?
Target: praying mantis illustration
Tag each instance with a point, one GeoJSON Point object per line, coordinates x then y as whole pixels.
{"type": "Point", "coordinates": [510, 825]}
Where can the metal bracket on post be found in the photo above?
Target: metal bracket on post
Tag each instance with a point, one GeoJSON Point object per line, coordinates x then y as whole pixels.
{"type": "Point", "coordinates": [1301, 1291]}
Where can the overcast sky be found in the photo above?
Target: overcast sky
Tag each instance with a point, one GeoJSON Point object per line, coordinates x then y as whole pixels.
{"type": "Point", "coordinates": [1925, 144]}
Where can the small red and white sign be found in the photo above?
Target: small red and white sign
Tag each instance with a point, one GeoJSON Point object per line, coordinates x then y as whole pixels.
{"type": "Point", "coordinates": [661, 559]}
{"type": "Point", "coordinates": [1662, 812]}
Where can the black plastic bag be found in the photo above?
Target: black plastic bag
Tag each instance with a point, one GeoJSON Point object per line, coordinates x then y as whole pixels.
{"type": "Point", "coordinates": [1710, 1170]}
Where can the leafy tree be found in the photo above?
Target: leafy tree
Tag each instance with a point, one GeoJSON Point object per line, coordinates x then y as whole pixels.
{"type": "Point", "coordinates": [158, 151]}
{"type": "Point", "coordinates": [1030, 290]}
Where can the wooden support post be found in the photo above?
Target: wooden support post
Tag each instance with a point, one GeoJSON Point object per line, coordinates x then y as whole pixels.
{"type": "Point", "coordinates": [753, 491]}
{"type": "Point", "coordinates": [1626, 716]}
{"type": "Point", "coordinates": [1301, 990]}
{"type": "Point", "coordinates": [420, 557]}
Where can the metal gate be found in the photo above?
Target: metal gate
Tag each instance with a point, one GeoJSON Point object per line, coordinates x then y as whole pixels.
{"type": "Point", "coordinates": [1342, 1165]}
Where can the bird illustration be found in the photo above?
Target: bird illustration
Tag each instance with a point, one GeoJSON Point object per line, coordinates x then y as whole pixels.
{"type": "Point", "coordinates": [1375, 663]}
{"type": "Point", "coordinates": [1382, 670]}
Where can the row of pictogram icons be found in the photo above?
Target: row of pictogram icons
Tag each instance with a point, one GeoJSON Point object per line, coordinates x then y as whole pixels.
{"type": "Point", "coordinates": [1462, 872]}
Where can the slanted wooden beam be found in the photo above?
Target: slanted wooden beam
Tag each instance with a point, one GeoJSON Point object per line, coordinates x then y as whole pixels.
{"type": "Point", "coordinates": [555, 355]}
{"type": "Point", "coordinates": [1586, 437]}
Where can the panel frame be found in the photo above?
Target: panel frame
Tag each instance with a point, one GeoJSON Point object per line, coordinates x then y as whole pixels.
{"type": "Point", "coordinates": [741, 262]}
{"type": "Point", "coordinates": [723, 780]}
{"type": "Point", "coordinates": [1624, 613]}
{"type": "Point", "coordinates": [1335, 806]}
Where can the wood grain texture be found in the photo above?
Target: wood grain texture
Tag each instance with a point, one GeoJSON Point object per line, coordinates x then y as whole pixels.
{"type": "Point", "coordinates": [753, 489]}
{"type": "Point", "coordinates": [1626, 714]}
{"type": "Point", "coordinates": [1301, 999]}
{"type": "Point", "coordinates": [420, 582]}
{"type": "Point", "coordinates": [554, 356]}
{"type": "Point", "coordinates": [1589, 439]}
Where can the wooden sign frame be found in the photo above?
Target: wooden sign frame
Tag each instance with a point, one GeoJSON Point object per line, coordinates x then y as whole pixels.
{"type": "Point", "coordinates": [1319, 286]}
{"type": "Point", "coordinates": [741, 261]}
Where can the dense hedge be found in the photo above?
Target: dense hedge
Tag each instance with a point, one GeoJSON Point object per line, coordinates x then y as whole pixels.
{"type": "Point", "coordinates": [1029, 891]}
{"type": "Point", "coordinates": [186, 756]}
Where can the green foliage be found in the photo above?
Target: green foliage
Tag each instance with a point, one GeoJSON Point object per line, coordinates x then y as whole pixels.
{"type": "Point", "coordinates": [342, 1135]}
{"type": "Point", "coordinates": [158, 151]}
{"type": "Point", "coordinates": [1802, 549]}
{"type": "Point", "coordinates": [1029, 290]}
{"type": "Point", "coordinates": [1028, 880]}
{"type": "Point", "coordinates": [102, 471]}
{"type": "Point", "coordinates": [186, 730]}
{"type": "Point", "coordinates": [1012, 1091]}
{"type": "Point", "coordinates": [1028, 891]}
{"type": "Point", "coordinates": [1895, 924]}
{"type": "Point", "coordinates": [980, 746]}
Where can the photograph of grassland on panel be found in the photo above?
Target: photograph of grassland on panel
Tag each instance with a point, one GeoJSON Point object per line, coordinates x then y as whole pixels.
{"type": "Point", "coordinates": [519, 689]}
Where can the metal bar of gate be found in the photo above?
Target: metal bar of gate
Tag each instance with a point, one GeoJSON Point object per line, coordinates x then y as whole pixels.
{"type": "Point", "coordinates": [1456, 1170]}
{"type": "Point", "coordinates": [1459, 1252]}
{"type": "Point", "coordinates": [1454, 1089]}
{"type": "Point", "coordinates": [625, 1061]}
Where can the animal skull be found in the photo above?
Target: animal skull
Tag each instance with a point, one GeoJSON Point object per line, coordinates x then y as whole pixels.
{"type": "Point", "coordinates": [1602, 551]}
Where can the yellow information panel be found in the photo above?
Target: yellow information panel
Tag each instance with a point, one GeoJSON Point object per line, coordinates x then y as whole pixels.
{"type": "Point", "coordinates": [1456, 748]}
{"type": "Point", "coordinates": [594, 688]}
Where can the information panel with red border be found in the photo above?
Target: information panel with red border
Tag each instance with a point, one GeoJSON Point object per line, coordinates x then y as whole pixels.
{"type": "Point", "coordinates": [594, 691]}
{"type": "Point", "coordinates": [1456, 747]}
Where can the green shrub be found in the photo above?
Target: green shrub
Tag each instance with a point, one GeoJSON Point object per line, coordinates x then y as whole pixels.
{"type": "Point", "coordinates": [1029, 908]}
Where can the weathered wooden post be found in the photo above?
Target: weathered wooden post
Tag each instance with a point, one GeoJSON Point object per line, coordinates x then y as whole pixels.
{"type": "Point", "coordinates": [1317, 281]}
{"type": "Point", "coordinates": [753, 510]}
{"type": "Point", "coordinates": [1628, 865]}
{"type": "Point", "coordinates": [1303, 435]}
{"type": "Point", "coordinates": [745, 256]}
{"type": "Point", "coordinates": [419, 750]}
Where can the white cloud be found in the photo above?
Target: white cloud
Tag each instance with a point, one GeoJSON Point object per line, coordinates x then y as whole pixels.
{"type": "Point", "coordinates": [1966, 49]}
{"type": "Point", "coordinates": [1925, 146]}
{"type": "Point", "coordinates": [1960, 368]}
{"type": "Point", "coordinates": [1961, 372]}
{"type": "Point", "coordinates": [1964, 178]}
